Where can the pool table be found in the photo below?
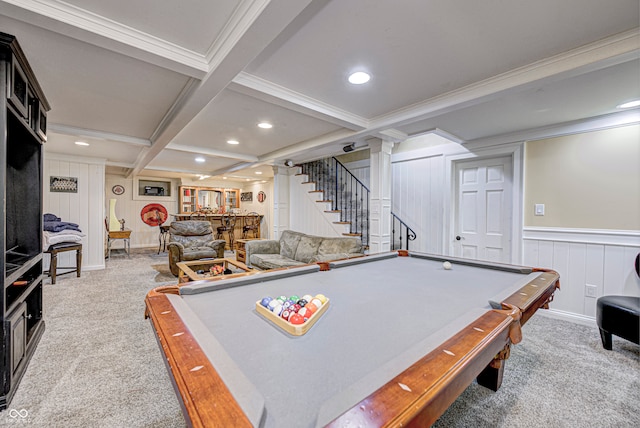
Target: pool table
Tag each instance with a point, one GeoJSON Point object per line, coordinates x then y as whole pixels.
{"type": "Point", "coordinates": [401, 339]}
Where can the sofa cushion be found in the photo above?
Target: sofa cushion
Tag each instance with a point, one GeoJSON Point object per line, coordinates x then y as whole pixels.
{"type": "Point", "coordinates": [272, 261]}
{"type": "Point", "coordinates": [307, 248]}
{"type": "Point", "coordinates": [346, 246]}
{"type": "Point", "coordinates": [289, 243]}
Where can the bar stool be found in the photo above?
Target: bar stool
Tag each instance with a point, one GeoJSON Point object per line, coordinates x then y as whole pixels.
{"type": "Point", "coordinates": [164, 233]}
{"type": "Point", "coordinates": [251, 225]}
{"type": "Point", "coordinates": [227, 224]}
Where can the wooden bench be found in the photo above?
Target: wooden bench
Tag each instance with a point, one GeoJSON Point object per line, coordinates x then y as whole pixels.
{"type": "Point", "coordinates": [61, 248]}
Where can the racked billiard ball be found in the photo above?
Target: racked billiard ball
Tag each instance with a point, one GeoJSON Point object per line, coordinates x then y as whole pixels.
{"type": "Point", "coordinates": [296, 319]}
{"type": "Point", "coordinates": [286, 313]}
{"type": "Point", "coordinates": [306, 313]}
{"type": "Point", "coordinates": [265, 301]}
{"type": "Point", "coordinates": [317, 302]}
{"type": "Point", "coordinates": [307, 297]}
{"type": "Point", "coordinates": [311, 307]}
{"type": "Point", "coordinates": [302, 302]}
{"type": "Point", "coordinates": [282, 298]}
{"type": "Point", "coordinates": [321, 297]}
{"type": "Point", "coordinates": [294, 298]}
{"type": "Point", "coordinates": [295, 307]}
{"type": "Point", "coordinates": [272, 304]}
{"type": "Point", "coordinates": [277, 310]}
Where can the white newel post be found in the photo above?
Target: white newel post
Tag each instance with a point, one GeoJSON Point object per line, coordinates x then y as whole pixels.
{"type": "Point", "coordinates": [380, 197]}
{"type": "Point", "coordinates": [281, 204]}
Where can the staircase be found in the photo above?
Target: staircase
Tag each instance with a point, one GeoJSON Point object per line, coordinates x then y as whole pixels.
{"type": "Point", "coordinates": [348, 199]}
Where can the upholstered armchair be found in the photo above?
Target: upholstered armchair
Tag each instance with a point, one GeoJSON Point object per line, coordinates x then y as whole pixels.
{"type": "Point", "coordinates": [192, 240]}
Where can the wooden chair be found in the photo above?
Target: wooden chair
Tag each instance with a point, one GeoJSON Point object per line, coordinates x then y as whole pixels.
{"type": "Point", "coordinates": [251, 225]}
{"type": "Point", "coordinates": [227, 224]}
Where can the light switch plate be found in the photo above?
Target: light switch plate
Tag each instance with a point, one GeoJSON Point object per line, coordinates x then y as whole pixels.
{"type": "Point", "coordinates": [539, 209]}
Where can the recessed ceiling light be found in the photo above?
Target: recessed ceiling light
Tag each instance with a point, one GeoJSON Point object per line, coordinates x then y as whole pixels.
{"type": "Point", "coordinates": [200, 159]}
{"type": "Point", "coordinates": [81, 143]}
{"type": "Point", "coordinates": [265, 125]}
{"type": "Point", "coordinates": [258, 172]}
{"type": "Point", "coordinates": [224, 178]}
{"type": "Point", "coordinates": [634, 103]}
{"type": "Point", "coordinates": [359, 77]}
{"type": "Point", "coordinates": [232, 142]}
{"type": "Point", "coordinates": [248, 179]}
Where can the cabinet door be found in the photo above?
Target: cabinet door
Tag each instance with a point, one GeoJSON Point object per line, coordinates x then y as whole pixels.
{"type": "Point", "coordinates": [19, 89]}
{"type": "Point", "coordinates": [188, 199]}
{"type": "Point", "coordinates": [232, 198]}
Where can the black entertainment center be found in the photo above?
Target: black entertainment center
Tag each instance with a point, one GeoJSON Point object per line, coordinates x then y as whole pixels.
{"type": "Point", "coordinates": [23, 124]}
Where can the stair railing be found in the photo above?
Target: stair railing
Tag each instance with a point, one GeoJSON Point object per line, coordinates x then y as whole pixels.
{"type": "Point", "coordinates": [400, 230]}
{"type": "Point", "coordinates": [348, 195]}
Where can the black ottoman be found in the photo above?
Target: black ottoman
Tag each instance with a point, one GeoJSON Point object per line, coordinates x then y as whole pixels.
{"type": "Point", "coordinates": [618, 315]}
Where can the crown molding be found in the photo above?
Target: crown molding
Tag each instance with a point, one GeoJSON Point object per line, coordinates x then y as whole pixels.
{"type": "Point", "coordinates": [192, 63]}
{"type": "Point", "coordinates": [58, 128]}
{"type": "Point", "coordinates": [591, 124]}
{"type": "Point", "coordinates": [242, 19]}
{"type": "Point", "coordinates": [299, 102]}
{"type": "Point", "coordinates": [210, 152]}
{"type": "Point", "coordinates": [603, 53]}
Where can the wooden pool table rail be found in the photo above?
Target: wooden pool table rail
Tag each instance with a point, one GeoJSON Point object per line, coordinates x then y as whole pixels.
{"type": "Point", "coordinates": [416, 397]}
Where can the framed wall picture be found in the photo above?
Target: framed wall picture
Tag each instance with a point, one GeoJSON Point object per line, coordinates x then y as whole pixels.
{"type": "Point", "coordinates": [63, 184]}
{"type": "Point", "coordinates": [261, 196]}
{"type": "Point", "coordinates": [246, 196]}
{"type": "Point", "coordinates": [117, 189]}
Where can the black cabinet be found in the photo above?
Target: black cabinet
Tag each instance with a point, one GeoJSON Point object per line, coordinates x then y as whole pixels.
{"type": "Point", "coordinates": [23, 110]}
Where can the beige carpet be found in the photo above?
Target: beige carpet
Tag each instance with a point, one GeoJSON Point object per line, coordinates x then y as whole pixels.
{"type": "Point", "coordinates": [98, 365]}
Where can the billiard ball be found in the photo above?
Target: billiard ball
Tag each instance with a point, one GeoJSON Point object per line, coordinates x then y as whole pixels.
{"type": "Point", "coordinates": [265, 301]}
{"type": "Point", "coordinates": [296, 319]}
{"type": "Point", "coordinates": [287, 304]}
{"type": "Point", "coordinates": [282, 298]}
{"type": "Point", "coordinates": [317, 302]}
{"type": "Point", "coordinates": [307, 297]}
{"type": "Point", "coordinates": [294, 298]}
{"type": "Point", "coordinates": [446, 265]}
{"type": "Point", "coordinates": [285, 314]}
{"type": "Point", "coordinates": [302, 302]}
{"type": "Point", "coordinates": [277, 310]}
{"type": "Point", "coordinates": [272, 304]}
{"type": "Point", "coordinates": [311, 307]}
{"type": "Point", "coordinates": [321, 297]}
{"type": "Point", "coordinates": [306, 313]}
{"type": "Point", "coordinates": [295, 307]}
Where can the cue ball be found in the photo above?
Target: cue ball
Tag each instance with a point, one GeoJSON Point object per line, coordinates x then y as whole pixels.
{"type": "Point", "coordinates": [446, 265]}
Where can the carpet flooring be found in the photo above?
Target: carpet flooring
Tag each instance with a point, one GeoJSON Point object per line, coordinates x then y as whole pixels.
{"type": "Point", "coordinates": [98, 365]}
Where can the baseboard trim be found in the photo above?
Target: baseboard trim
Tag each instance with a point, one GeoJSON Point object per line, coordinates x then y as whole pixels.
{"type": "Point", "coordinates": [626, 238]}
{"type": "Point", "coordinates": [568, 316]}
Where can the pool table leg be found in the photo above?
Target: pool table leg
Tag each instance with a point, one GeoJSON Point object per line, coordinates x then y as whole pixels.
{"type": "Point", "coordinates": [491, 376]}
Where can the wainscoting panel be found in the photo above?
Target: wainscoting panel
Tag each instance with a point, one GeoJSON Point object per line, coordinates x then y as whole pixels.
{"type": "Point", "coordinates": [85, 208]}
{"type": "Point", "coordinates": [603, 267]}
{"type": "Point", "coordinates": [417, 199]}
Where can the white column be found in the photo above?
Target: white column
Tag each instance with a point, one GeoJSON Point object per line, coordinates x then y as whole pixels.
{"type": "Point", "coordinates": [281, 206]}
{"type": "Point", "coordinates": [380, 197]}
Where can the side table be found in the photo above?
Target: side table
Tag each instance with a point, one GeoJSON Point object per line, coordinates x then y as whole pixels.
{"type": "Point", "coordinates": [125, 235]}
{"type": "Point", "coordinates": [241, 253]}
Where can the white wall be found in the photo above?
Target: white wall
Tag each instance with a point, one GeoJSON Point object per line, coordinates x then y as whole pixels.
{"type": "Point", "coordinates": [85, 208]}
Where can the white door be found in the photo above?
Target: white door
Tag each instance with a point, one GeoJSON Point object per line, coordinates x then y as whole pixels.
{"type": "Point", "coordinates": [483, 217]}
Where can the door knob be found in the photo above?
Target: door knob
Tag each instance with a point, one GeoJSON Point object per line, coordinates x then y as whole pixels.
{"type": "Point", "coordinates": [458, 238]}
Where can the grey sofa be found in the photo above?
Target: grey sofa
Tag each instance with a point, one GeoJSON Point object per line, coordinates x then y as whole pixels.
{"type": "Point", "coordinates": [295, 248]}
{"type": "Point", "coordinates": [192, 240]}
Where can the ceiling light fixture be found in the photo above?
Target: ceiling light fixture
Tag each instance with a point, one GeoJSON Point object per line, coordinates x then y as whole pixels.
{"type": "Point", "coordinates": [630, 104]}
{"type": "Point", "coordinates": [200, 159]}
{"type": "Point", "coordinates": [202, 177]}
{"type": "Point", "coordinates": [258, 172]}
{"type": "Point", "coordinates": [81, 143]}
{"type": "Point", "coordinates": [288, 163]}
{"type": "Point", "coordinates": [265, 125]}
{"type": "Point", "coordinates": [234, 142]}
{"type": "Point", "coordinates": [359, 77]}
{"type": "Point", "coordinates": [224, 178]}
